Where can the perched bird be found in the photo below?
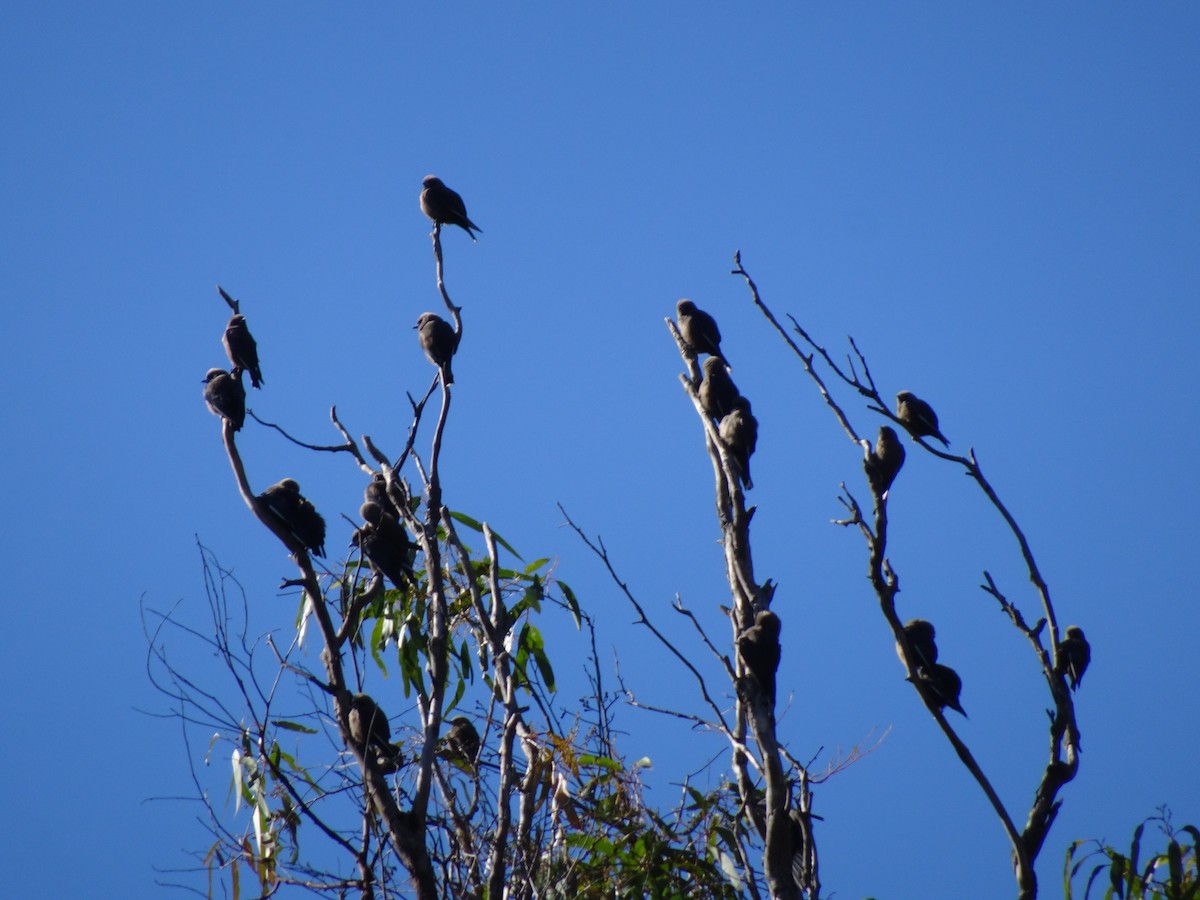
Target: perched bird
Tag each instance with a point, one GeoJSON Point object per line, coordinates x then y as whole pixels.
{"type": "Point", "coordinates": [884, 461]}
{"type": "Point", "coordinates": [920, 636]}
{"type": "Point", "coordinates": [439, 342]}
{"type": "Point", "coordinates": [368, 724]}
{"type": "Point", "coordinates": [699, 330]}
{"type": "Point", "coordinates": [918, 416]}
{"type": "Point", "coordinates": [462, 740]}
{"type": "Point", "coordinates": [297, 515]}
{"type": "Point", "coordinates": [739, 431]}
{"type": "Point", "coordinates": [369, 729]}
{"type": "Point", "coordinates": [385, 543]}
{"type": "Point", "coordinates": [1074, 654]}
{"type": "Point", "coordinates": [444, 206]}
{"type": "Point", "coordinates": [758, 646]}
{"type": "Point", "coordinates": [945, 686]}
{"type": "Point", "coordinates": [376, 492]}
{"type": "Point", "coordinates": [241, 348]}
{"type": "Point", "coordinates": [225, 397]}
{"type": "Point", "coordinates": [717, 390]}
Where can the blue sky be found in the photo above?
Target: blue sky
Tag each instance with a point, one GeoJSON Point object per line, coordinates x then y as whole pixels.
{"type": "Point", "coordinates": [1002, 205]}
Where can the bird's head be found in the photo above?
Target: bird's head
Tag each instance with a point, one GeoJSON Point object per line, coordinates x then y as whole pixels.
{"type": "Point", "coordinates": [919, 629]}
{"type": "Point", "coordinates": [685, 308]}
{"type": "Point", "coordinates": [371, 512]}
{"type": "Point", "coordinates": [427, 317]}
{"type": "Point", "coordinates": [768, 622]}
{"type": "Point", "coordinates": [214, 373]}
{"type": "Point", "coordinates": [431, 181]}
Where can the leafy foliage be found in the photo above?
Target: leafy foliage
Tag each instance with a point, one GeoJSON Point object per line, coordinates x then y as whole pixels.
{"type": "Point", "coordinates": [1172, 874]}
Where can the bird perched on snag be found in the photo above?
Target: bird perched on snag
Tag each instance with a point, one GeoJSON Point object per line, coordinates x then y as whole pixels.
{"type": "Point", "coordinates": [945, 686]}
{"type": "Point", "coordinates": [242, 349]}
{"type": "Point", "coordinates": [717, 390]}
{"type": "Point", "coordinates": [444, 206]}
{"type": "Point", "coordinates": [918, 416]}
{"type": "Point", "coordinates": [461, 742]}
{"type": "Point", "coordinates": [296, 514]}
{"type": "Point", "coordinates": [225, 396]}
{"type": "Point", "coordinates": [699, 330]}
{"type": "Point", "coordinates": [370, 731]}
{"type": "Point", "coordinates": [1074, 653]}
{"type": "Point", "coordinates": [439, 342]}
{"type": "Point", "coordinates": [920, 634]}
{"type": "Point", "coordinates": [739, 431]}
{"type": "Point", "coordinates": [758, 646]}
{"type": "Point", "coordinates": [884, 461]}
{"type": "Point", "coordinates": [376, 492]}
{"type": "Point", "coordinates": [385, 543]}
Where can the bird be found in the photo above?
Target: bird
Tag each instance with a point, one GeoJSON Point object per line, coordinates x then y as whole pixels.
{"type": "Point", "coordinates": [717, 390]}
{"type": "Point", "coordinates": [1074, 654]}
{"type": "Point", "coordinates": [758, 646]}
{"type": "Point", "coordinates": [376, 492]}
{"type": "Point", "coordinates": [944, 685]}
{"type": "Point", "coordinates": [369, 730]}
{"type": "Point", "coordinates": [385, 543]}
{"type": "Point", "coordinates": [699, 330]}
{"type": "Point", "coordinates": [225, 396]}
{"type": "Point", "coordinates": [368, 723]}
{"type": "Point", "coordinates": [920, 634]}
{"type": "Point", "coordinates": [739, 432]}
{"type": "Point", "coordinates": [884, 461]}
{"type": "Point", "coordinates": [444, 206]}
{"type": "Point", "coordinates": [241, 348]}
{"type": "Point", "coordinates": [439, 341]}
{"type": "Point", "coordinates": [296, 514]}
{"type": "Point", "coordinates": [461, 741]}
{"type": "Point", "coordinates": [918, 416]}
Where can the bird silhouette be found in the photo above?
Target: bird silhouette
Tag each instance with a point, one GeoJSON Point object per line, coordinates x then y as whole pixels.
{"type": "Point", "coordinates": [758, 646]}
{"type": "Point", "coordinates": [699, 330]}
{"type": "Point", "coordinates": [439, 341]}
{"type": "Point", "coordinates": [918, 416]}
{"type": "Point", "coordinates": [297, 515]}
{"type": "Point", "coordinates": [385, 543]}
{"type": "Point", "coordinates": [225, 396]}
{"type": "Point", "coordinates": [739, 432]}
{"type": "Point", "coordinates": [370, 731]}
{"type": "Point", "coordinates": [444, 206]}
{"type": "Point", "coordinates": [1074, 655]}
{"type": "Point", "coordinates": [920, 634]}
{"type": "Point", "coordinates": [461, 743]}
{"type": "Point", "coordinates": [717, 390]}
{"type": "Point", "coordinates": [242, 349]}
{"type": "Point", "coordinates": [883, 462]}
{"type": "Point", "coordinates": [945, 686]}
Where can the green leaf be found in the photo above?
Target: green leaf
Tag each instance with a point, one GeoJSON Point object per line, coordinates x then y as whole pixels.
{"type": "Point", "coordinates": [1175, 865]}
{"type": "Point", "coordinates": [377, 640]}
{"type": "Point", "coordinates": [293, 726]}
{"type": "Point", "coordinates": [476, 526]}
{"type": "Point", "coordinates": [535, 565]}
{"type": "Point", "coordinates": [572, 602]}
{"type": "Point", "coordinates": [464, 660]}
{"type": "Point", "coordinates": [1134, 849]}
{"type": "Point", "coordinates": [603, 762]}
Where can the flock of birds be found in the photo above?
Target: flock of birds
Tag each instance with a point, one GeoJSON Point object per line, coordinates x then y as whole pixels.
{"type": "Point", "coordinates": [382, 538]}
{"type": "Point", "coordinates": [384, 541]}
{"type": "Point", "coordinates": [758, 645]}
